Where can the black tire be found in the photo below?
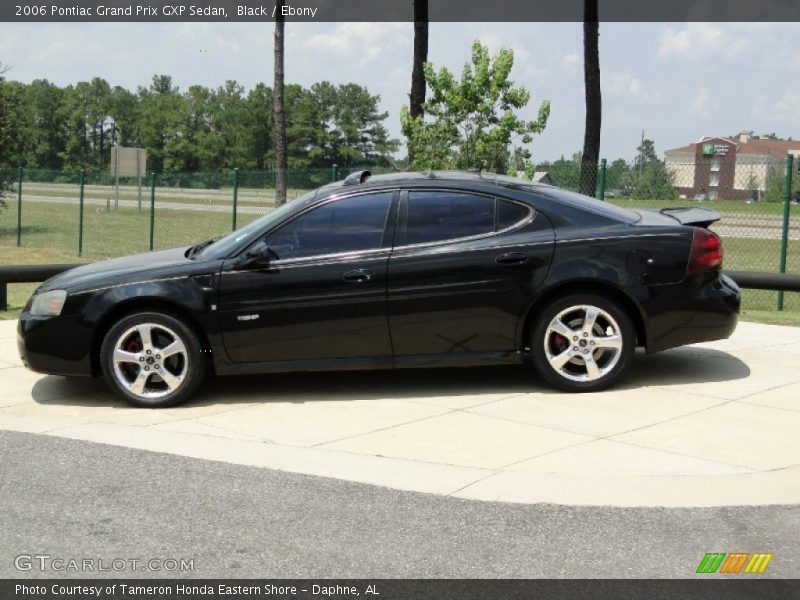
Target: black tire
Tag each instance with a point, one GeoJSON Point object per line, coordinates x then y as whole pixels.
{"type": "Point", "coordinates": [547, 345]}
{"type": "Point", "coordinates": [187, 367]}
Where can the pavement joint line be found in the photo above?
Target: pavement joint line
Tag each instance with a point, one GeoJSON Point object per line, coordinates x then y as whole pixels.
{"type": "Point", "coordinates": [494, 470]}
{"type": "Point", "coordinates": [72, 426]}
{"type": "Point", "coordinates": [176, 410]}
{"type": "Point", "coordinates": [466, 408]}
{"type": "Point", "coordinates": [199, 421]}
{"type": "Point", "coordinates": [609, 438]}
{"type": "Point", "coordinates": [507, 420]}
{"type": "Point", "coordinates": [762, 405]}
{"type": "Point", "coordinates": [750, 470]}
{"type": "Point", "coordinates": [355, 435]}
{"type": "Point", "coordinates": [772, 389]}
{"type": "Point", "coordinates": [471, 483]}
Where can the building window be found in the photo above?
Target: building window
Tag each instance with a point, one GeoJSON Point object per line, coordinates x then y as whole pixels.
{"type": "Point", "coordinates": [714, 180]}
{"type": "Point", "coordinates": [715, 165]}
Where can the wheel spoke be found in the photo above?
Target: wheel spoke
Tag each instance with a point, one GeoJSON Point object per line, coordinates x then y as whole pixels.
{"type": "Point", "coordinates": [170, 379]}
{"type": "Point", "coordinates": [558, 326]}
{"type": "Point", "coordinates": [138, 385]}
{"type": "Point", "coordinates": [175, 347]}
{"type": "Point", "coordinates": [559, 360]}
{"type": "Point", "coordinates": [121, 356]}
{"type": "Point", "coordinates": [610, 341]}
{"type": "Point", "coordinates": [592, 370]}
{"type": "Point", "coordinates": [145, 333]}
{"type": "Point", "coordinates": [591, 316]}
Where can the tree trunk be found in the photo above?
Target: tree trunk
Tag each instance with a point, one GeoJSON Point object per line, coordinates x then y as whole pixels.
{"type": "Point", "coordinates": [279, 109]}
{"type": "Point", "coordinates": [417, 96]}
{"type": "Point", "coordinates": [594, 104]}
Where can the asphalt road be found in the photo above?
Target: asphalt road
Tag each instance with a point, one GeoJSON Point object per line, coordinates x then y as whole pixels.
{"type": "Point", "coordinates": [73, 499]}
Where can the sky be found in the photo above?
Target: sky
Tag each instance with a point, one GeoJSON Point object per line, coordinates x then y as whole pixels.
{"type": "Point", "coordinates": [676, 82]}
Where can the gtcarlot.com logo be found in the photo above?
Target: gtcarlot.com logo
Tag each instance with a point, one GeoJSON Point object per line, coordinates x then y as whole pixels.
{"type": "Point", "coordinates": [734, 563]}
{"type": "Point", "coordinates": [46, 562]}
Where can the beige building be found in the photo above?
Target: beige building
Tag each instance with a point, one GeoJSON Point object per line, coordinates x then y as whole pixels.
{"type": "Point", "coordinates": [728, 168]}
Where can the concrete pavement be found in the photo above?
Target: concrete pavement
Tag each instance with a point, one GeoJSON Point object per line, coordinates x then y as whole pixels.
{"type": "Point", "coordinates": [708, 425]}
{"type": "Point", "coordinates": [72, 499]}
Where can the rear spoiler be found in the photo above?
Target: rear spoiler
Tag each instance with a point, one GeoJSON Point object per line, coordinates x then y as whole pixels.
{"type": "Point", "coordinates": [699, 217]}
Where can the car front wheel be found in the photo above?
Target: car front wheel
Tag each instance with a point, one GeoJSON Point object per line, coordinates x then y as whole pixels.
{"type": "Point", "coordinates": [583, 343]}
{"type": "Point", "coordinates": [152, 359]}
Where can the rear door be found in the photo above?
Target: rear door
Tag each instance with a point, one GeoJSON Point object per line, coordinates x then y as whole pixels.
{"type": "Point", "coordinates": [463, 271]}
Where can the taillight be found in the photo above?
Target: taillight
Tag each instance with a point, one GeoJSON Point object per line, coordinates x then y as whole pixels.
{"type": "Point", "coordinates": [706, 254]}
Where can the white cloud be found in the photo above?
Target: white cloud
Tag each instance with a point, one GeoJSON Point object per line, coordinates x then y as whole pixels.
{"type": "Point", "coordinates": [571, 60]}
{"type": "Point", "coordinates": [699, 105]}
{"type": "Point", "coordinates": [363, 42]}
{"type": "Point", "coordinates": [786, 107]}
{"type": "Point", "coordinates": [626, 85]}
{"type": "Point", "coordinates": [699, 41]}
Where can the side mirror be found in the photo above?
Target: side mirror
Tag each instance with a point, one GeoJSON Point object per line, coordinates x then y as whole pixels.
{"type": "Point", "coordinates": [258, 257]}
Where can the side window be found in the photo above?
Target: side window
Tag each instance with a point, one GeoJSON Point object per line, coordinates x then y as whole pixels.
{"type": "Point", "coordinates": [347, 225]}
{"type": "Point", "coordinates": [439, 216]}
{"type": "Point", "coordinates": [509, 214]}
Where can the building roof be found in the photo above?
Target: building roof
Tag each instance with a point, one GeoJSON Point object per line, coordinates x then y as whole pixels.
{"type": "Point", "coordinates": [752, 147]}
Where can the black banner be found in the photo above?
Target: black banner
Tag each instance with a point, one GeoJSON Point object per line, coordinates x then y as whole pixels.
{"type": "Point", "coordinates": [397, 10]}
{"type": "Point", "coordinates": [405, 589]}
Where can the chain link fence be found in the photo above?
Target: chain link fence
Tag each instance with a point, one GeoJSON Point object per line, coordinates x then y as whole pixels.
{"type": "Point", "coordinates": [87, 216]}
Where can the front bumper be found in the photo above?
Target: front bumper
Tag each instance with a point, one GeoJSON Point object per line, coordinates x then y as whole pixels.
{"type": "Point", "coordinates": [55, 345]}
{"type": "Point", "coordinates": [710, 311]}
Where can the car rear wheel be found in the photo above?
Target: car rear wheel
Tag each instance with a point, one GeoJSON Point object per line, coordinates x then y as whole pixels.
{"type": "Point", "coordinates": [583, 343]}
{"type": "Point", "coordinates": [152, 360]}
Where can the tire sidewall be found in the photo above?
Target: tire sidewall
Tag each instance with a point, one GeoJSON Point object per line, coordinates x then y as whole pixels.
{"type": "Point", "coordinates": [195, 370]}
{"type": "Point", "coordinates": [627, 332]}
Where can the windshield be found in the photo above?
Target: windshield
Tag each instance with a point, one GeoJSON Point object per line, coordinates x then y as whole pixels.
{"type": "Point", "coordinates": [249, 232]}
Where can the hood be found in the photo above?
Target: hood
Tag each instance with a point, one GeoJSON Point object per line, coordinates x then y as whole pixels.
{"type": "Point", "coordinates": [109, 272]}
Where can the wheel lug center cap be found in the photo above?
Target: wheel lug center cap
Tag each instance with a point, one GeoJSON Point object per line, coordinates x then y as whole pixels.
{"type": "Point", "coordinates": [583, 343]}
{"type": "Point", "coordinates": [150, 360]}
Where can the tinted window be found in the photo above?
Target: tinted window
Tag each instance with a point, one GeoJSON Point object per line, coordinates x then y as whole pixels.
{"type": "Point", "coordinates": [437, 216]}
{"type": "Point", "coordinates": [346, 225]}
{"type": "Point", "coordinates": [603, 209]}
{"type": "Point", "coordinates": [510, 213]}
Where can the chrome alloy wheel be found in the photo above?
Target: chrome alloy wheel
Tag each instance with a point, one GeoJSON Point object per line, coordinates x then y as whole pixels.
{"type": "Point", "coordinates": [583, 343]}
{"type": "Point", "coordinates": [150, 360]}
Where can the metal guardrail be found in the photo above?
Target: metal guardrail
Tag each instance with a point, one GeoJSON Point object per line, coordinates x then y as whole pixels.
{"type": "Point", "coordinates": [757, 280]}
{"type": "Point", "coordinates": [753, 280]}
{"type": "Point", "coordinates": [27, 274]}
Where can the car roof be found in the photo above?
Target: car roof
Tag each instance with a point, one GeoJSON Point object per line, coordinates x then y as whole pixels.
{"type": "Point", "coordinates": [466, 179]}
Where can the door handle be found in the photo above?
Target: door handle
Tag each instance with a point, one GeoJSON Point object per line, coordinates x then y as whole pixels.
{"type": "Point", "coordinates": [512, 258]}
{"type": "Point", "coordinates": [357, 276]}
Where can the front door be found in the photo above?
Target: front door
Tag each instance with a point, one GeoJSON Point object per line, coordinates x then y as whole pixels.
{"type": "Point", "coordinates": [323, 296]}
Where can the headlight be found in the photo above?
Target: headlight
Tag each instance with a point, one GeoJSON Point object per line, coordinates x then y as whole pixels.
{"type": "Point", "coordinates": [48, 303]}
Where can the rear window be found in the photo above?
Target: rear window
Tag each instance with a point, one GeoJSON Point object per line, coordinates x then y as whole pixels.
{"type": "Point", "coordinates": [604, 209]}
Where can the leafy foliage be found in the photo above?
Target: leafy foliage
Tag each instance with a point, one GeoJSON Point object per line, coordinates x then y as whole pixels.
{"type": "Point", "coordinates": [43, 125]}
{"type": "Point", "coordinates": [470, 123]}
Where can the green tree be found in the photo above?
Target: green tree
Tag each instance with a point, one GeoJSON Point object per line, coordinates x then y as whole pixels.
{"type": "Point", "coordinates": [259, 107]}
{"type": "Point", "coordinates": [471, 123]}
{"type": "Point", "coordinates": [655, 183]}
{"type": "Point", "coordinates": [13, 124]}
{"type": "Point", "coordinates": [162, 108]}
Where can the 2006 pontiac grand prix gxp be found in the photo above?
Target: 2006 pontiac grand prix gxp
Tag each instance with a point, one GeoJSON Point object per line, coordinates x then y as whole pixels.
{"type": "Point", "coordinates": [401, 270]}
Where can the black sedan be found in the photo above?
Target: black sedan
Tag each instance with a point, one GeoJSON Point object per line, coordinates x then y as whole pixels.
{"type": "Point", "coordinates": [402, 270]}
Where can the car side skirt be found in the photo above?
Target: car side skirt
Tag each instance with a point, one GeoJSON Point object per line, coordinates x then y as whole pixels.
{"type": "Point", "coordinates": [358, 364]}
